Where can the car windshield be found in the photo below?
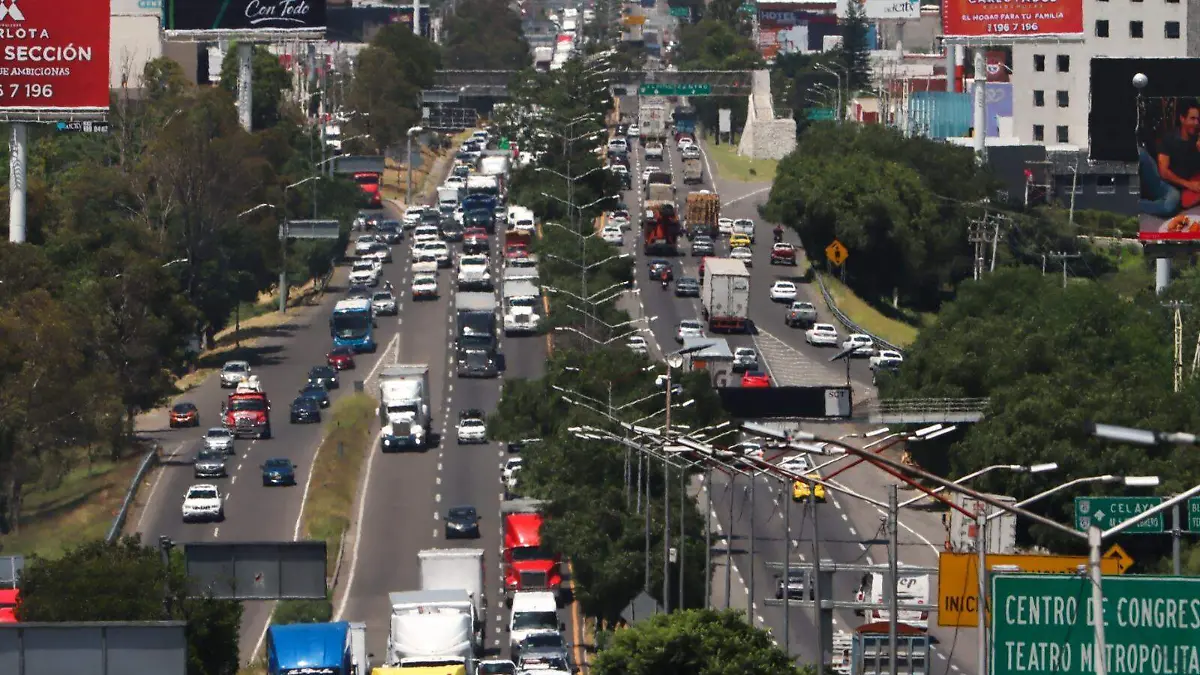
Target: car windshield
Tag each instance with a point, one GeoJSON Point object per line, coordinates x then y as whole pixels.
{"type": "Point", "coordinates": [542, 640]}
{"type": "Point", "coordinates": [248, 404]}
{"type": "Point", "coordinates": [350, 325]}
{"type": "Point", "coordinates": [477, 358]}
{"type": "Point", "coordinates": [496, 668]}
{"type": "Point", "coordinates": [210, 455]}
{"type": "Point", "coordinates": [742, 351]}
{"type": "Point", "coordinates": [462, 513]}
{"type": "Point", "coordinates": [278, 463]}
{"type": "Point", "coordinates": [425, 281]}
{"type": "Point", "coordinates": [382, 296]}
{"type": "Point", "coordinates": [205, 493]}
{"type": "Point", "coordinates": [312, 388]}
{"type": "Point", "coordinates": [184, 407]}
{"type": "Point", "coordinates": [473, 424]}
{"type": "Point", "coordinates": [533, 620]}
{"type": "Point", "coordinates": [219, 434]}
{"type": "Point", "coordinates": [304, 403]}
{"type": "Point", "coordinates": [689, 325]}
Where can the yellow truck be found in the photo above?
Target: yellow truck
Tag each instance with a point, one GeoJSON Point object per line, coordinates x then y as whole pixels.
{"type": "Point", "coordinates": [448, 669]}
{"type": "Point", "coordinates": [700, 213]}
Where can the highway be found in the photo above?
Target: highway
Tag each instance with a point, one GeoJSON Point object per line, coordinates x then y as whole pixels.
{"type": "Point", "coordinates": [846, 524]}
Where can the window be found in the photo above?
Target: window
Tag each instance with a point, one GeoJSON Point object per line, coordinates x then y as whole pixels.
{"type": "Point", "coordinates": [1064, 98]}
{"type": "Point", "coordinates": [1064, 63]}
{"type": "Point", "coordinates": [1171, 29]}
{"type": "Point", "coordinates": [1172, 2]}
{"type": "Point", "coordinates": [1039, 132]}
{"type": "Point", "coordinates": [1039, 98]}
{"type": "Point", "coordinates": [1106, 185]}
{"type": "Point", "coordinates": [1039, 62]}
{"type": "Point", "coordinates": [1061, 132]}
{"type": "Point", "coordinates": [1135, 29]}
{"type": "Point", "coordinates": [1102, 28]}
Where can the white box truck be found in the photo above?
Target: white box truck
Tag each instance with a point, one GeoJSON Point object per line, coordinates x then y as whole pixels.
{"type": "Point", "coordinates": [725, 296]}
{"type": "Point", "coordinates": [404, 407]}
{"type": "Point", "coordinates": [449, 569]}
{"type": "Point", "coordinates": [448, 194]}
{"type": "Point", "coordinates": [494, 165]}
{"type": "Point", "coordinates": [654, 112]}
{"type": "Point", "coordinates": [433, 628]}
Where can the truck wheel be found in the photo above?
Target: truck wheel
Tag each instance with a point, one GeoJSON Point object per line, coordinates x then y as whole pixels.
{"type": "Point", "coordinates": [266, 434]}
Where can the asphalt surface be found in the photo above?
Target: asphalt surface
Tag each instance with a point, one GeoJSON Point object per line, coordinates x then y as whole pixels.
{"type": "Point", "coordinates": [848, 526]}
{"type": "Point", "coordinates": [254, 513]}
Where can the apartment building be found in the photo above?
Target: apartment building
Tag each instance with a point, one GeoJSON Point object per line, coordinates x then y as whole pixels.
{"type": "Point", "coordinates": [1050, 101]}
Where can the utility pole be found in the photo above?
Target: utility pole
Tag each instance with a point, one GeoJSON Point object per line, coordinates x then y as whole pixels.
{"type": "Point", "coordinates": [894, 582]}
{"type": "Point", "coordinates": [1064, 257]}
{"type": "Point", "coordinates": [1177, 365]}
{"type": "Point", "coordinates": [787, 575]}
{"type": "Point", "coordinates": [977, 235]}
{"type": "Point", "coordinates": [816, 580]}
{"type": "Point", "coordinates": [997, 221]}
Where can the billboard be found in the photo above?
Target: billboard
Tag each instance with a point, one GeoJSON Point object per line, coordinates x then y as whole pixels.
{"type": "Point", "coordinates": [875, 10]}
{"type": "Point", "coordinates": [786, 32]}
{"type": "Point", "coordinates": [54, 61]}
{"type": "Point", "coordinates": [94, 648]}
{"type": "Point", "coordinates": [998, 99]}
{"type": "Point", "coordinates": [234, 17]}
{"type": "Point", "coordinates": [1015, 19]}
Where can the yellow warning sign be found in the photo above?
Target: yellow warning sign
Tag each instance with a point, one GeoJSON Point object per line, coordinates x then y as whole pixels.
{"type": "Point", "coordinates": [836, 253]}
{"type": "Point", "coordinates": [635, 19]}
{"type": "Point", "coordinates": [958, 579]}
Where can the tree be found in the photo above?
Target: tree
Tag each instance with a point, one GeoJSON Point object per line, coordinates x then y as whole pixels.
{"type": "Point", "coordinates": [389, 75]}
{"type": "Point", "coordinates": [127, 581]}
{"type": "Point", "coordinates": [486, 35]}
{"type": "Point", "coordinates": [269, 83]}
{"type": "Point", "coordinates": [856, 52]}
{"type": "Point", "coordinates": [716, 44]}
{"type": "Point", "coordinates": [697, 642]}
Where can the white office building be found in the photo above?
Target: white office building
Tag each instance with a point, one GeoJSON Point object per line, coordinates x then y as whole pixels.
{"type": "Point", "coordinates": [1051, 80]}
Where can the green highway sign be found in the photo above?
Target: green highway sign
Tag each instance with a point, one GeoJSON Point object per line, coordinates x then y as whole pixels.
{"type": "Point", "coordinates": [682, 12]}
{"type": "Point", "coordinates": [1043, 623]}
{"type": "Point", "coordinates": [819, 114]}
{"type": "Point", "coordinates": [748, 8]}
{"type": "Point", "coordinates": [1193, 514]}
{"type": "Point", "coordinates": [656, 89]}
{"type": "Point", "coordinates": [1106, 512]}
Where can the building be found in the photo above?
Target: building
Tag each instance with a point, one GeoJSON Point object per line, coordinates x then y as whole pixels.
{"type": "Point", "coordinates": [1051, 101]}
{"type": "Point", "coordinates": [136, 38]}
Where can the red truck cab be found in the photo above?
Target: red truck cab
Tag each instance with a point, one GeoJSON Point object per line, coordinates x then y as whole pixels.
{"type": "Point", "coordinates": [9, 597]}
{"type": "Point", "coordinates": [783, 254]}
{"type": "Point", "coordinates": [368, 182]}
{"type": "Point", "coordinates": [527, 566]}
{"type": "Point", "coordinates": [247, 413]}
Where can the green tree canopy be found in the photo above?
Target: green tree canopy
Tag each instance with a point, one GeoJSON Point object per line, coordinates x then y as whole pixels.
{"type": "Point", "coordinates": [270, 82]}
{"type": "Point", "coordinates": [486, 35]}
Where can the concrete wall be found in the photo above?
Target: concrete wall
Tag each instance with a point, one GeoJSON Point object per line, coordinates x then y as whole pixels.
{"type": "Point", "coordinates": [764, 136]}
{"type": "Point", "coordinates": [135, 40]}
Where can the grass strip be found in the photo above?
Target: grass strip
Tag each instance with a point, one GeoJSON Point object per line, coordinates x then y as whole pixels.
{"type": "Point", "coordinates": [896, 331]}
{"type": "Point", "coordinates": [732, 166]}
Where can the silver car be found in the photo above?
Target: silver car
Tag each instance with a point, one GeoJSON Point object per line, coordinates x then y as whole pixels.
{"type": "Point", "coordinates": [744, 359]}
{"type": "Point", "coordinates": [233, 372]}
{"type": "Point", "coordinates": [219, 439]}
{"type": "Point", "coordinates": [384, 303]}
{"type": "Point", "coordinates": [209, 463]}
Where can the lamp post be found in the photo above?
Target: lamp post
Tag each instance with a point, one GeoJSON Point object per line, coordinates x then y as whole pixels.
{"type": "Point", "coordinates": [283, 239]}
{"type": "Point", "coordinates": [237, 305]}
{"type": "Point", "coordinates": [412, 131]}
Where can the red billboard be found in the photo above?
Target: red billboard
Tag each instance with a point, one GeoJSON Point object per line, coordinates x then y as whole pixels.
{"type": "Point", "coordinates": [54, 56]}
{"type": "Point", "coordinates": [1011, 18]}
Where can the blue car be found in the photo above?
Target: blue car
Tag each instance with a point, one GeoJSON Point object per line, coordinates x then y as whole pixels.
{"type": "Point", "coordinates": [316, 392]}
{"type": "Point", "coordinates": [278, 471]}
{"type": "Point", "coordinates": [305, 411]}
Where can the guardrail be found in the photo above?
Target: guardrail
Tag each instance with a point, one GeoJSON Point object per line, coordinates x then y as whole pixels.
{"type": "Point", "coordinates": [845, 320]}
{"type": "Point", "coordinates": [118, 523]}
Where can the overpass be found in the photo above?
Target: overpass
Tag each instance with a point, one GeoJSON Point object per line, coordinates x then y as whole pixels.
{"type": "Point", "coordinates": [494, 83]}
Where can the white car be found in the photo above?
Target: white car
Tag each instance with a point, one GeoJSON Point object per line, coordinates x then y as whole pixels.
{"type": "Point", "coordinates": [441, 251]}
{"type": "Point", "coordinates": [618, 145]}
{"type": "Point", "coordinates": [613, 235]}
{"type": "Point", "coordinates": [473, 272]}
{"type": "Point", "coordinates": [638, 345]}
{"type": "Point", "coordinates": [689, 328]}
{"type": "Point", "coordinates": [690, 152]}
{"type": "Point", "coordinates": [427, 233]}
{"type": "Point", "coordinates": [364, 273]}
{"type": "Point", "coordinates": [822, 334]}
{"type": "Point", "coordinates": [203, 502]}
{"type": "Point", "coordinates": [725, 226]}
{"type": "Point", "coordinates": [364, 244]}
{"type": "Point", "coordinates": [634, 131]}
{"type": "Point", "coordinates": [744, 254]}
{"type": "Point", "coordinates": [384, 303]}
{"type": "Point", "coordinates": [412, 216]}
{"type": "Point", "coordinates": [221, 439]}
{"type": "Point", "coordinates": [424, 286]}
{"type": "Point", "coordinates": [797, 464]}
{"type": "Point", "coordinates": [647, 171]}
{"type": "Point", "coordinates": [886, 359]}
{"type": "Point", "coordinates": [509, 474]}
{"type": "Point", "coordinates": [685, 142]}
{"type": "Point", "coordinates": [863, 345]}
{"type": "Point", "coordinates": [455, 181]}
{"type": "Point", "coordinates": [654, 152]}
{"type": "Point", "coordinates": [425, 263]}
{"type": "Point", "coordinates": [380, 253]}
{"type": "Point", "coordinates": [472, 431]}
{"type": "Point", "coordinates": [783, 291]}
{"type": "Point", "coordinates": [233, 372]}
{"type": "Point", "coordinates": [744, 226]}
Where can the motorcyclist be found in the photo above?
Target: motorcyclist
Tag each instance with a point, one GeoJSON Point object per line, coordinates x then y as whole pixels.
{"type": "Point", "coordinates": [387, 286]}
{"type": "Point", "coordinates": [778, 233]}
{"type": "Point", "coordinates": [665, 278]}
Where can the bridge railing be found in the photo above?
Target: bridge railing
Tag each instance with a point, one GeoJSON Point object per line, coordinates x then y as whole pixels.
{"type": "Point", "coordinates": [928, 410]}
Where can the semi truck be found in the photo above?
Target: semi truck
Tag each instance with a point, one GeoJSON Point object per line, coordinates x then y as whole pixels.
{"type": "Point", "coordinates": [484, 185]}
{"type": "Point", "coordinates": [433, 629]}
{"type": "Point", "coordinates": [542, 56]}
{"type": "Point", "coordinates": [522, 300]}
{"type": "Point", "coordinates": [328, 648]}
{"type": "Point", "coordinates": [693, 170]}
{"type": "Point", "coordinates": [653, 115]}
{"type": "Point", "coordinates": [527, 565]}
{"type": "Point", "coordinates": [725, 295]}
{"type": "Point", "coordinates": [700, 214]}
{"type": "Point", "coordinates": [247, 411]}
{"type": "Point", "coordinates": [685, 120]}
{"type": "Point", "coordinates": [450, 569]}
{"type": "Point", "coordinates": [495, 163]}
{"type": "Point", "coordinates": [660, 231]}
{"type": "Point", "coordinates": [404, 407]}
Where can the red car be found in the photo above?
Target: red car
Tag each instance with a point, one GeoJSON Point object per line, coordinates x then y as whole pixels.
{"type": "Point", "coordinates": [516, 251]}
{"type": "Point", "coordinates": [755, 378]}
{"type": "Point", "coordinates": [340, 358]}
{"type": "Point", "coordinates": [185, 415]}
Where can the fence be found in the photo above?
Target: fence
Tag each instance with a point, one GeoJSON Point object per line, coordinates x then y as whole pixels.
{"type": "Point", "coordinates": [149, 461]}
{"type": "Point", "coordinates": [845, 320]}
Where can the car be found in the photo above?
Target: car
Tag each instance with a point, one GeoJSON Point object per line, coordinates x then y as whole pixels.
{"type": "Point", "coordinates": [633, 132]}
{"type": "Point", "coordinates": [184, 414]}
{"type": "Point", "coordinates": [474, 273]}
{"type": "Point", "coordinates": [622, 172]}
{"type": "Point", "coordinates": [618, 145]}
{"type": "Point", "coordinates": [340, 358]}
{"type": "Point", "coordinates": [886, 360]}
{"type": "Point", "coordinates": [540, 641]}
{"type": "Point", "coordinates": [656, 267]}
{"type": "Point", "coordinates": [364, 273]}
{"type": "Point", "coordinates": [203, 502]}
{"type": "Point", "coordinates": [752, 449]}
{"type": "Point", "coordinates": [424, 287]}
{"type": "Point", "coordinates": [451, 230]}
{"type": "Point", "coordinates": [508, 475]}
{"type": "Point", "coordinates": [360, 220]}
{"type": "Point", "coordinates": [647, 171]}
{"type": "Point", "coordinates": [384, 303]}
{"type": "Point", "coordinates": [364, 244]}
{"type": "Point", "coordinates": [783, 291]}
{"type": "Point", "coordinates": [783, 253]}
{"type": "Point", "coordinates": [619, 217]}
{"type": "Point", "coordinates": [738, 239]}
{"type": "Point", "coordinates": [612, 234]}
{"type": "Point", "coordinates": [317, 393]}
{"type": "Point", "coordinates": [392, 231]}
{"type": "Point", "coordinates": [521, 444]}
{"type": "Point", "coordinates": [325, 376]}
{"type": "Point", "coordinates": [689, 328]}
{"type": "Point", "coordinates": [209, 463]}
{"type": "Point", "coordinates": [380, 253]}
{"type": "Point", "coordinates": [690, 152]}
{"type": "Point", "coordinates": [744, 226]}
{"type": "Point", "coordinates": [863, 345]}
{"type": "Point", "coordinates": [220, 438]}
{"type": "Point", "coordinates": [441, 252]}
{"type": "Point", "coordinates": [685, 142]}
{"type": "Point", "coordinates": [798, 464]}
{"type": "Point", "coordinates": [425, 263]}
{"type": "Point", "coordinates": [744, 254]}
{"type": "Point", "coordinates": [801, 489]}
{"type": "Point", "coordinates": [800, 314]}
{"type": "Point", "coordinates": [543, 662]}
{"type": "Point", "coordinates": [755, 379]}
{"type": "Point", "coordinates": [305, 410]}
{"type": "Point", "coordinates": [795, 586]}
{"type": "Point", "coordinates": [462, 522]}
{"type": "Point", "coordinates": [358, 292]}
{"type": "Point", "coordinates": [638, 345]}
{"type": "Point", "coordinates": [233, 372]}
{"type": "Point", "coordinates": [476, 240]}
{"type": "Point", "coordinates": [702, 246]}
{"type": "Point", "coordinates": [472, 426]}
{"type": "Point", "coordinates": [744, 359]}
{"type": "Point", "coordinates": [822, 334]}
{"type": "Point", "coordinates": [426, 232]}
{"type": "Point", "coordinates": [412, 216]}
{"type": "Point", "coordinates": [278, 471]}
{"type": "Point", "coordinates": [687, 287]}
{"type": "Point", "coordinates": [725, 225]}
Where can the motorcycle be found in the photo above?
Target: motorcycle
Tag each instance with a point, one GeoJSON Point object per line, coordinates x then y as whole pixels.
{"type": "Point", "coordinates": [666, 283]}
{"type": "Point", "coordinates": [778, 236]}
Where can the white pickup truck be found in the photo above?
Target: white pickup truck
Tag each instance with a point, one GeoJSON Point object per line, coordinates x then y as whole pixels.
{"type": "Point", "coordinates": [654, 152]}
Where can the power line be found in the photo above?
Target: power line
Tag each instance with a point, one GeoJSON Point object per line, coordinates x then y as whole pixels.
{"type": "Point", "coordinates": [1064, 258]}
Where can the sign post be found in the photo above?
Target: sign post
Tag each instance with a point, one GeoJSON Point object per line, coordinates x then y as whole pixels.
{"type": "Point", "coordinates": [1044, 624]}
{"type": "Point", "coordinates": [1106, 512]}
{"type": "Point", "coordinates": [836, 253]}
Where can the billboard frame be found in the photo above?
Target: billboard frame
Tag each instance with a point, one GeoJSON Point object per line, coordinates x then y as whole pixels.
{"type": "Point", "coordinates": [177, 628]}
{"type": "Point", "coordinates": [243, 34]}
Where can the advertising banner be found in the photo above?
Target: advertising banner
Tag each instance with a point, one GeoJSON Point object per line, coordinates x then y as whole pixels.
{"type": "Point", "coordinates": [1017, 18]}
{"type": "Point", "coordinates": [998, 100]}
{"type": "Point", "coordinates": [882, 9]}
{"type": "Point", "coordinates": [246, 16]}
{"type": "Point", "coordinates": [54, 59]}
{"type": "Point", "coordinates": [996, 65]}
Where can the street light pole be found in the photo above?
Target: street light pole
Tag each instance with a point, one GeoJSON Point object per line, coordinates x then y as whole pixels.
{"type": "Point", "coordinates": [708, 511]}
{"type": "Point", "coordinates": [682, 534]}
{"type": "Point", "coordinates": [408, 163]}
{"type": "Point", "coordinates": [893, 565]}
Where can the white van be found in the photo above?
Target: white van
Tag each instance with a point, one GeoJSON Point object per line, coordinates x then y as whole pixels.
{"type": "Point", "coordinates": [912, 589]}
{"type": "Point", "coordinates": [531, 611]}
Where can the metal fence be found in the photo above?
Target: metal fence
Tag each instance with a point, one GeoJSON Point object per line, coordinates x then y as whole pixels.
{"type": "Point", "coordinates": [149, 461]}
{"type": "Point", "coordinates": [845, 320]}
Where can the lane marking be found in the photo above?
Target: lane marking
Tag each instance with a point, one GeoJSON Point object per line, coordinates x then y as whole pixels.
{"type": "Point", "coordinates": [154, 488]}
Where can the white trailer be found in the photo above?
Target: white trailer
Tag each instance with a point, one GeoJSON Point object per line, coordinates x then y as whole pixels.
{"type": "Point", "coordinates": [653, 114]}
{"type": "Point", "coordinates": [447, 569]}
{"type": "Point", "coordinates": [725, 296]}
{"type": "Point", "coordinates": [433, 628]}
